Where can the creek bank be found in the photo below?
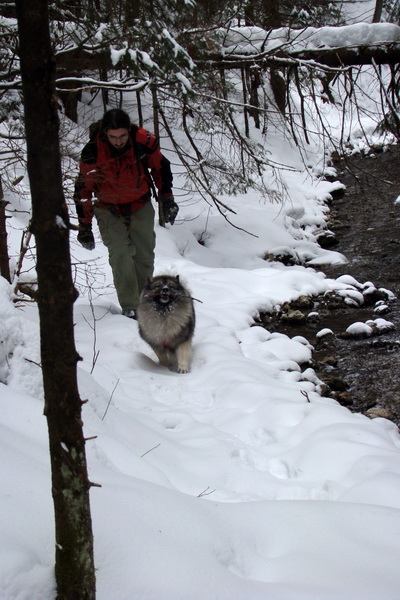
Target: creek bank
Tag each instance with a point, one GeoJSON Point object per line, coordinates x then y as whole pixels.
{"type": "Point", "coordinates": [360, 367]}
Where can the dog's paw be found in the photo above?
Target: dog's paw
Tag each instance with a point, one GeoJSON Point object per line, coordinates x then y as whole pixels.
{"type": "Point", "coordinates": [183, 369]}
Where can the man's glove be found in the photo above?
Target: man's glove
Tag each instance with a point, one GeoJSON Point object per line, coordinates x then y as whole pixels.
{"type": "Point", "coordinates": [170, 208]}
{"type": "Point", "coordinates": [85, 236]}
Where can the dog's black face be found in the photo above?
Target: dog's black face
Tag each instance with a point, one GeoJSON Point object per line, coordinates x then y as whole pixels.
{"type": "Point", "coordinates": [166, 294]}
{"type": "Point", "coordinates": [162, 291]}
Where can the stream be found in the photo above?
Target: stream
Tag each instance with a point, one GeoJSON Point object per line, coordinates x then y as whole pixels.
{"type": "Point", "coordinates": [362, 373]}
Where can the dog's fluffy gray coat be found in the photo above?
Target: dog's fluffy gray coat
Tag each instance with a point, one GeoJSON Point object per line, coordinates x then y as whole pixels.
{"type": "Point", "coordinates": [166, 321]}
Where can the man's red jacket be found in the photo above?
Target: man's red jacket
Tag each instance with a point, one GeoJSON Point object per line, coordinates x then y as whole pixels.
{"type": "Point", "coordinates": [120, 180]}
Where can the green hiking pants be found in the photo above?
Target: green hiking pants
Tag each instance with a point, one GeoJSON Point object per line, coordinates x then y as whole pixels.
{"type": "Point", "coordinates": [130, 241]}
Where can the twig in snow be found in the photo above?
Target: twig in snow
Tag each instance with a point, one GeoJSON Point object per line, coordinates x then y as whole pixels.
{"type": "Point", "coordinates": [206, 492]}
{"type": "Point", "coordinates": [109, 402]}
{"type": "Point", "coordinates": [151, 449]}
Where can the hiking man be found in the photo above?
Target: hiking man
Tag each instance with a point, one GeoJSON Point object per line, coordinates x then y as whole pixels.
{"type": "Point", "coordinates": [114, 185]}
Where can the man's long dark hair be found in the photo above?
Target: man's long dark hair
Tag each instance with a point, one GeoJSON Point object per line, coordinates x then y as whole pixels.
{"type": "Point", "coordinates": [116, 118]}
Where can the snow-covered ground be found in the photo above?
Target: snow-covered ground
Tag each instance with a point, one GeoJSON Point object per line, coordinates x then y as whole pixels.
{"type": "Point", "coordinates": [237, 481]}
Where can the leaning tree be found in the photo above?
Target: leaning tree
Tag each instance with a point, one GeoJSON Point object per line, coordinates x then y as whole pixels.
{"type": "Point", "coordinates": [56, 294]}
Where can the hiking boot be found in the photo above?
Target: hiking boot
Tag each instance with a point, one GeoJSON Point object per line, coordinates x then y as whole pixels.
{"type": "Point", "coordinates": [130, 313]}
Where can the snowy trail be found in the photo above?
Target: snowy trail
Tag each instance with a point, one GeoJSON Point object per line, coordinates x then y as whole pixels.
{"type": "Point", "coordinates": [267, 433]}
{"type": "Point", "coordinates": [236, 481]}
{"type": "Point", "coordinates": [237, 456]}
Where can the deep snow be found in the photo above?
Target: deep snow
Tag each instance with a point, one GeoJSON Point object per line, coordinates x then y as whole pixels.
{"type": "Point", "coordinates": [236, 481]}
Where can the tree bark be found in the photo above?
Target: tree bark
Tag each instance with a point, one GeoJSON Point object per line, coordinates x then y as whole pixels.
{"type": "Point", "coordinates": [378, 11]}
{"type": "Point", "coordinates": [56, 294]}
{"type": "Point", "coordinates": [4, 258]}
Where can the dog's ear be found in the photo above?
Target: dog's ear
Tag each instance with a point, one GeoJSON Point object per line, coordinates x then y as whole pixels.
{"type": "Point", "coordinates": [177, 278]}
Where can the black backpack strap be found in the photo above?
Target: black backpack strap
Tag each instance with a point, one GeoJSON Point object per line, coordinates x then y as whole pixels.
{"type": "Point", "coordinates": [141, 153]}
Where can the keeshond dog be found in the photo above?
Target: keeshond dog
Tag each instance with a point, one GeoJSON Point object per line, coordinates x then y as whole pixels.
{"type": "Point", "coordinates": [166, 320]}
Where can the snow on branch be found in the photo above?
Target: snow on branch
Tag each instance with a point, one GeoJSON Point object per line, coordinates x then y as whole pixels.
{"type": "Point", "coordinates": [251, 40]}
{"type": "Point", "coordinates": [334, 46]}
{"type": "Point", "coordinates": [81, 83]}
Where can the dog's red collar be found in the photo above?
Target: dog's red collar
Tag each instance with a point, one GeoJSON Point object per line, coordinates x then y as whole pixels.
{"type": "Point", "coordinates": [165, 345]}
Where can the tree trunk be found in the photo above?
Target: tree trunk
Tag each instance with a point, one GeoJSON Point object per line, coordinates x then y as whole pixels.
{"type": "Point", "coordinates": [56, 294]}
{"type": "Point", "coordinates": [279, 89]}
{"type": "Point", "coordinates": [4, 258]}
{"type": "Point", "coordinates": [245, 102]}
{"type": "Point", "coordinates": [70, 99]}
{"type": "Point", "coordinates": [378, 11]}
{"type": "Point", "coordinates": [156, 128]}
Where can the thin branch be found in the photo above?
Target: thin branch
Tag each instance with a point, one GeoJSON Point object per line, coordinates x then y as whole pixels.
{"type": "Point", "coordinates": [109, 402]}
{"type": "Point", "coordinates": [151, 450]}
{"type": "Point", "coordinates": [206, 492]}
